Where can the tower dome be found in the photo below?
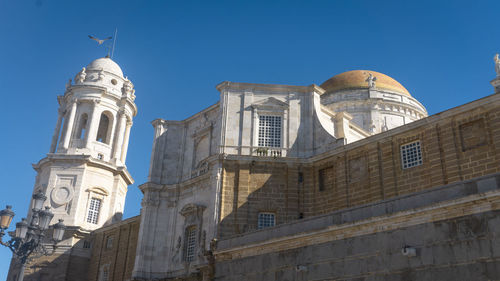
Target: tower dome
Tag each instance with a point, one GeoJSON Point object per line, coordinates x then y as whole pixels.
{"type": "Point", "coordinates": [358, 79]}
{"type": "Point", "coordinates": [106, 64]}
{"type": "Point", "coordinates": [376, 101]}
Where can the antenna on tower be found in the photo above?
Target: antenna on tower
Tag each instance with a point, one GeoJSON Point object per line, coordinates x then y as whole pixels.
{"type": "Point", "coordinates": [114, 41]}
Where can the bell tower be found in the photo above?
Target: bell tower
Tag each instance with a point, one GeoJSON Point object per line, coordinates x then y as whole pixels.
{"type": "Point", "coordinates": [84, 175]}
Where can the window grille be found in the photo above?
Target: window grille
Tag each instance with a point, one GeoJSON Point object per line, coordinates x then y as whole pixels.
{"type": "Point", "coordinates": [190, 246]}
{"type": "Point", "coordinates": [411, 155]}
{"type": "Point", "coordinates": [269, 131]}
{"type": "Point", "coordinates": [265, 220]}
{"type": "Point", "coordinates": [104, 276]}
{"type": "Point", "coordinates": [94, 207]}
{"type": "Point", "coordinates": [86, 244]}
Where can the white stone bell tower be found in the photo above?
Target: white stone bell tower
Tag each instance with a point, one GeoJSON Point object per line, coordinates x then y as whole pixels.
{"type": "Point", "coordinates": [84, 175]}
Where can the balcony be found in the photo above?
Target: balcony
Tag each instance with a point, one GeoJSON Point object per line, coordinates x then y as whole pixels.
{"type": "Point", "coordinates": [261, 151]}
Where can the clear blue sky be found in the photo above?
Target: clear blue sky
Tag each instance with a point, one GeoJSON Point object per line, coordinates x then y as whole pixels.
{"type": "Point", "coordinates": [175, 52]}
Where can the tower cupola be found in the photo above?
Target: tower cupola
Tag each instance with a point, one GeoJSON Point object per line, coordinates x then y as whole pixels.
{"type": "Point", "coordinates": [97, 110]}
{"type": "Point", "coordinates": [84, 174]}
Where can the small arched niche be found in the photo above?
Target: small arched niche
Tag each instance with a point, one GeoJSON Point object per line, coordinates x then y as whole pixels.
{"type": "Point", "coordinates": [104, 129]}
{"type": "Point", "coordinates": [82, 126]}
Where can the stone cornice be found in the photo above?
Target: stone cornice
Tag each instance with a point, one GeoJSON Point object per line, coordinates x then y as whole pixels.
{"type": "Point", "coordinates": [190, 118]}
{"type": "Point", "coordinates": [85, 159]}
{"type": "Point", "coordinates": [376, 101]}
{"type": "Point", "coordinates": [235, 86]}
{"type": "Point", "coordinates": [103, 91]}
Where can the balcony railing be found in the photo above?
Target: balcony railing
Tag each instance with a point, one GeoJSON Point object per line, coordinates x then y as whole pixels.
{"type": "Point", "coordinates": [268, 151]}
{"type": "Point", "coordinates": [261, 151]}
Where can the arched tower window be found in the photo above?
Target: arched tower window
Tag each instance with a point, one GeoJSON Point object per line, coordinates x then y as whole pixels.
{"type": "Point", "coordinates": [82, 126]}
{"type": "Point", "coordinates": [104, 130]}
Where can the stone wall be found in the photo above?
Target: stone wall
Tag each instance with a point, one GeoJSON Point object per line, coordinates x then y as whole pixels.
{"type": "Point", "coordinates": [113, 249]}
{"type": "Point", "coordinates": [454, 230]}
{"type": "Point", "coordinates": [458, 144]}
{"type": "Point", "coordinates": [69, 261]}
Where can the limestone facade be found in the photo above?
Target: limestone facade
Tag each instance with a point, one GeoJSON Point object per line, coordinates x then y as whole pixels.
{"type": "Point", "coordinates": [349, 180]}
{"type": "Point", "coordinates": [326, 161]}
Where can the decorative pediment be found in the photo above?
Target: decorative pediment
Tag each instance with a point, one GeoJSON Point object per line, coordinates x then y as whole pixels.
{"type": "Point", "coordinates": [192, 209]}
{"type": "Point", "coordinates": [98, 190]}
{"type": "Point", "coordinates": [270, 103]}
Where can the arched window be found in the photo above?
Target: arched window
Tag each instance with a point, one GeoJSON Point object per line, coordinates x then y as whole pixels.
{"type": "Point", "coordinates": [82, 126]}
{"type": "Point", "coordinates": [104, 128]}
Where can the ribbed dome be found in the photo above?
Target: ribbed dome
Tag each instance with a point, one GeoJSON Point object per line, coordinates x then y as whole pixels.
{"type": "Point", "coordinates": [357, 79]}
{"type": "Point", "coordinates": [106, 64]}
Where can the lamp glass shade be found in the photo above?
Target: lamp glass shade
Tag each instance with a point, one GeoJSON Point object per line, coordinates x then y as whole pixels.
{"type": "Point", "coordinates": [38, 199]}
{"type": "Point", "coordinates": [58, 231]}
{"type": "Point", "coordinates": [21, 228]}
{"type": "Point", "coordinates": [45, 218]}
{"type": "Point", "coordinates": [6, 216]}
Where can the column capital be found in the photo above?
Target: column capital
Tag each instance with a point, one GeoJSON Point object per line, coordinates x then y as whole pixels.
{"type": "Point", "coordinates": [122, 112]}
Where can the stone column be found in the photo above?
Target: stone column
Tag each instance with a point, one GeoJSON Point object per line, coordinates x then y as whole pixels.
{"type": "Point", "coordinates": [69, 127]}
{"type": "Point", "coordinates": [92, 124]}
{"type": "Point", "coordinates": [56, 131]}
{"type": "Point", "coordinates": [125, 141]}
{"type": "Point", "coordinates": [117, 146]}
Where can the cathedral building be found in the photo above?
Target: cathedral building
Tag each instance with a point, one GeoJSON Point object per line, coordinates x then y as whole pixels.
{"type": "Point", "coordinates": [349, 180]}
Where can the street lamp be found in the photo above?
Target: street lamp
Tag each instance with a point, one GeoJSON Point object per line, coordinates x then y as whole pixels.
{"type": "Point", "coordinates": [27, 241]}
{"type": "Point", "coordinates": [6, 216]}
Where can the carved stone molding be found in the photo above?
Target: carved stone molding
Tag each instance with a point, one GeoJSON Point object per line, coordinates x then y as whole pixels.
{"type": "Point", "coordinates": [151, 199]}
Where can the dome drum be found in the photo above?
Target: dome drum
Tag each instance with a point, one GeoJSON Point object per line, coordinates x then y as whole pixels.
{"type": "Point", "coordinates": [376, 101]}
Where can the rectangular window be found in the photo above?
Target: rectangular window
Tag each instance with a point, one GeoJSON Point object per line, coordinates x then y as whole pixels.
{"type": "Point", "coordinates": [322, 179]}
{"type": "Point", "coordinates": [269, 131]}
{"type": "Point", "coordinates": [109, 242]}
{"type": "Point", "coordinates": [86, 244]}
{"type": "Point", "coordinates": [94, 207]}
{"type": "Point", "coordinates": [104, 275]}
{"type": "Point", "coordinates": [190, 243]}
{"type": "Point", "coordinates": [411, 155]}
{"type": "Point", "coordinates": [266, 220]}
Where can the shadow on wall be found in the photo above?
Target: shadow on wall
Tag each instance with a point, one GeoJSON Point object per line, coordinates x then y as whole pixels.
{"type": "Point", "coordinates": [274, 191]}
{"type": "Point", "coordinates": [66, 265]}
{"type": "Point", "coordinates": [58, 266]}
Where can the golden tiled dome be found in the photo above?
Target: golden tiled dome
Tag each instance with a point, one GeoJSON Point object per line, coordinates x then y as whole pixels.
{"type": "Point", "coordinates": [357, 79]}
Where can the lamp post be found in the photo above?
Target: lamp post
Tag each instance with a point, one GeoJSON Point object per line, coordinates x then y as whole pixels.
{"type": "Point", "coordinates": [27, 241]}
